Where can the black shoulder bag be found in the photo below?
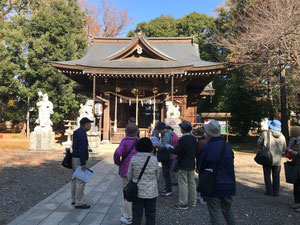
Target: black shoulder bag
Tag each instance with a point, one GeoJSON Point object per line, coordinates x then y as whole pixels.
{"type": "Point", "coordinates": [163, 154]}
{"type": "Point", "coordinates": [67, 161]}
{"type": "Point", "coordinates": [264, 156]}
{"type": "Point", "coordinates": [207, 178]}
{"type": "Point", "coordinates": [130, 191]}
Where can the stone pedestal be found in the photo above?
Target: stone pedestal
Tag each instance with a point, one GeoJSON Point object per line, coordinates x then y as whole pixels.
{"type": "Point", "coordinates": [42, 140]}
{"type": "Point", "coordinates": [94, 141]}
{"type": "Point", "coordinates": [174, 124]}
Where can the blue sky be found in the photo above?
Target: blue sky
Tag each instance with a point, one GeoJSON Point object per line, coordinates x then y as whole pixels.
{"type": "Point", "coordinates": [146, 10]}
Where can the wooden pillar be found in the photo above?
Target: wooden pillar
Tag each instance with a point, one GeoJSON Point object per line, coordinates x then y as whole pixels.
{"type": "Point", "coordinates": [162, 113]}
{"type": "Point", "coordinates": [106, 120]}
{"type": "Point", "coordinates": [172, 88]}
{"type": "Point", "coordinates": [183, 105]}
{"type": "Point", "coordinates": [154, 110]}
{"type": "Point", "coordinates": [137, 108]}
{"type": "Point", "coordinates": [94, 93]}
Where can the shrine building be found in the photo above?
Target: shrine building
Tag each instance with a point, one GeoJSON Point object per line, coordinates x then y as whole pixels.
{"type": "Point", "coordinates": [134, 77]}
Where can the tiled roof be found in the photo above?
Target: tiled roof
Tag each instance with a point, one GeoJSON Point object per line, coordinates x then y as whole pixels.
{"type": "Point", "coordinates": [181, 53]}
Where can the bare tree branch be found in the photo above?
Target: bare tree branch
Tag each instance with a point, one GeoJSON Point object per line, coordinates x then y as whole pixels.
{"type": "Point", "coordinates": [104, 19]}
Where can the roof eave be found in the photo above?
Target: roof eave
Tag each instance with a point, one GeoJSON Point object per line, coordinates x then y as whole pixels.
{"type": "Point", "coordinates": [211, 67]}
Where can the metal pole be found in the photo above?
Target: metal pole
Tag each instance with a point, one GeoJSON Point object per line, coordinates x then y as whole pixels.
{"type": "Point", "coordinates": [27, 118]}
{"type": "Point", "coordinates": [137, 108]}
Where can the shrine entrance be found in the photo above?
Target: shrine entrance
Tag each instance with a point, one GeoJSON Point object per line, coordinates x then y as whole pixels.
{"type": "Point", "coordinates": [145, 114]}
{"type": "Point", "coordinates": [134, 77]}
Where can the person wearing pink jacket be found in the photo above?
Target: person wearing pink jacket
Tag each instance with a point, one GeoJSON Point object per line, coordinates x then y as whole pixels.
{"type": "Point", "coordinates": [122, 158]}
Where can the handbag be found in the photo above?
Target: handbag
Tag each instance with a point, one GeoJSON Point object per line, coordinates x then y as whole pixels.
{"type": "Point", "coordinates": [291, 172]}
{"type": "Point", "coordinates": [207, 177]}
{"type": "Point", "coordinates": [264, 156]}
{"type": "Point", "coordinates": [163, 155]}
{"type": "Point", "coordinates": [67, 161]}
{"type": "Point", "coordinates": [130, 191]}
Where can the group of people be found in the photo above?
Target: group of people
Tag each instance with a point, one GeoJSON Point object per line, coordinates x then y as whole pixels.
{"type": "Point", "coordinates": [196, 150]}
{"type": "Point", "coordinates": [275, 142]}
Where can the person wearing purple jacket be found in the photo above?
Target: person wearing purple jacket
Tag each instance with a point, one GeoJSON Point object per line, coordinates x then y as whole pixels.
{"type": "Point", "coordinates": [122, 157]}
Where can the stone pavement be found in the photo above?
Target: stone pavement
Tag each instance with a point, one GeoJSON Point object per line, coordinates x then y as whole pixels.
{"type": "Point", "coordinates": [102, 192]}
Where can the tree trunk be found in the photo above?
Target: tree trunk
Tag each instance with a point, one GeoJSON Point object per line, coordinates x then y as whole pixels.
{"type": "Point", "coordinates": [284, 110]}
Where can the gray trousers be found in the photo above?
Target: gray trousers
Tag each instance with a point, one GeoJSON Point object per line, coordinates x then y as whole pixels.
{"type": "Point", "coordinates": [77, 186]}
{"type": "Point", "coordinates": [187, 187]}
{"type": "Point", "coordinates": [174, 176]}
{"type": "Point", "coordinates": [218, 206]}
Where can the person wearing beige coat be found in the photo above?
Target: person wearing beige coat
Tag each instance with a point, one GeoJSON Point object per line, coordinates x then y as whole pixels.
{"type": "Point", "coordinates": [147, 186]}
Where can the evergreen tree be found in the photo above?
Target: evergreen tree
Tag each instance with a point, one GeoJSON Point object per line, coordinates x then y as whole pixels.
{"type": "Point", "coordinates": [163, 26]}
{"type": "Point", "coordinates": [12, 65]}
{"type": "Point", "coordinates": [55, 32]}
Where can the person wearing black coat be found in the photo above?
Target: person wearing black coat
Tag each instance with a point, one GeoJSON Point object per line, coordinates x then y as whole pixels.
{"type": "Point", "coordinates": [80, 155]}
{"type": "Point", "coordinates": [186, 149]}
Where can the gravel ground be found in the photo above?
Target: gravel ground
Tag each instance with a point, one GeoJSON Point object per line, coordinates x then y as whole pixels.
{"type": "Point", "coordinates": [29, 177]}
{"type": "Point", "coordinates": [251, 206]}
{"type": "Point", "coordinates": [25, 178]}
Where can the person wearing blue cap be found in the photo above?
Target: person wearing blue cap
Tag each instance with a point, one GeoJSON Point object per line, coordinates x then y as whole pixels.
{"type": "Point", "coordinates": [274, 140]}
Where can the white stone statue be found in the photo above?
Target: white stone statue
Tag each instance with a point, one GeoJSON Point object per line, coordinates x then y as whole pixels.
{"type": "Point", "coordinates": [86, 110]}
{"type": "Point", "coordinates": [45, 110]}
{"type": "Point", "coordinates": [172, 111]}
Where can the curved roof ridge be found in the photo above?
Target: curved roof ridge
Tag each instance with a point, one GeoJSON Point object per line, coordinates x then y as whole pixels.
{"type": "Point", "coordinates": [144, 40]}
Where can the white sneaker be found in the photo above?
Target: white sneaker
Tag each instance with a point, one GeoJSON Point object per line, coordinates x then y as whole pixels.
{"type": "Point", "coordinates": [125, 220]}
{"type": "Point", "coordinates": [201, 200]}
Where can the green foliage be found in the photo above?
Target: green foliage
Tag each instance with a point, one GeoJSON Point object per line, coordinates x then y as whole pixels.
{"type": "Point", "coordinates": [12, 64]}
{"type": "Point", "coordinates": [53, 31]}
{"type": "Point", "coordinates": [248, 106]}
{"type": "Point", "coordinates": [195, 24]}
{"type": "Point", "coordinates": [163, 26]}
